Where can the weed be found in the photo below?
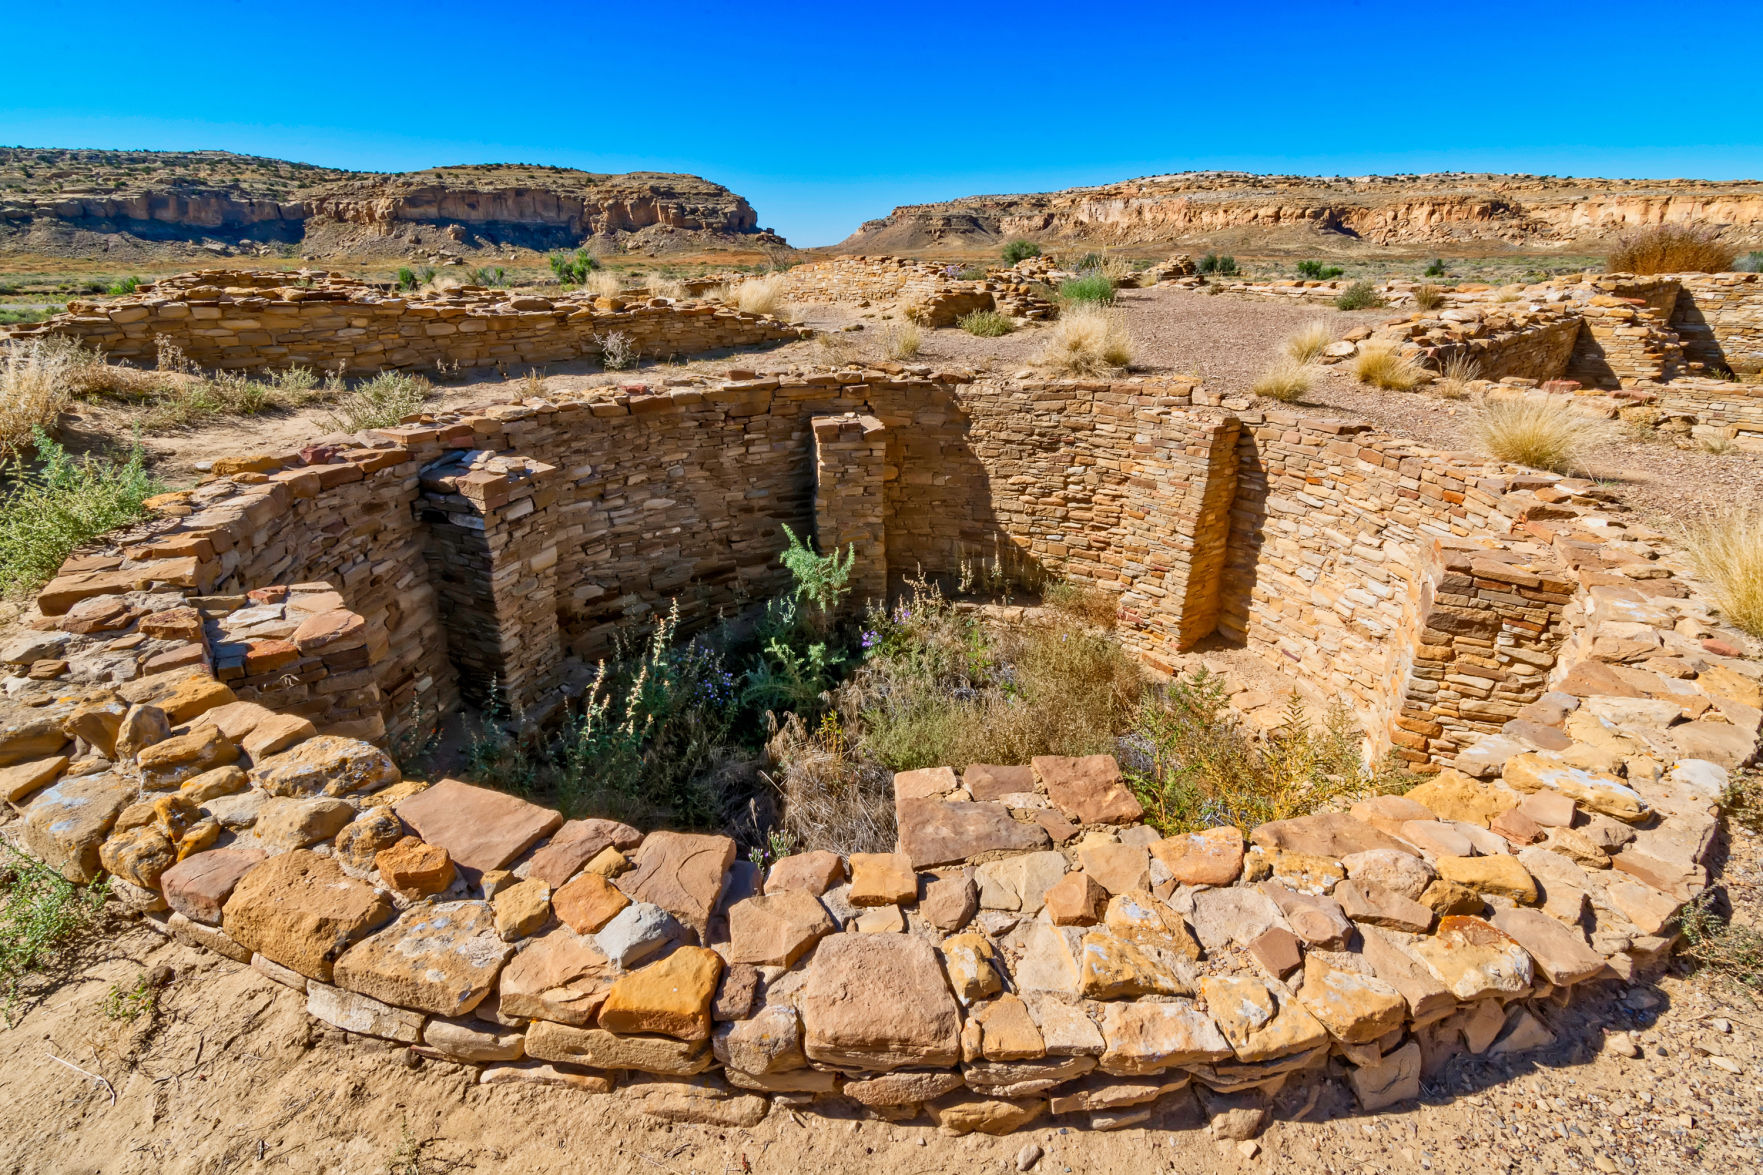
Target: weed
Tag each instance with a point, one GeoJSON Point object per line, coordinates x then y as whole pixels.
{"type": "Point", "coordinates": [1084, 603]}
{"type": "Point", "coordinates": [36, 387]}
{"type": "Point", "coordinates": [904, 340]}
{"type": "Point", "coordinates": [1213, 263]}
{"type": "Point", "coordinates": [1093, 290]}
{"type": "Point", "coordinates": [573, 271]}
{"type": "Point", "coordinates": [493, 277]}
{"type": "Point", "coordinates": [1670, 248]}
{"type": "Point", "coordinates": [1361, 295]}
{"type": "Point", "coordinates": [1020, 250]}
{"type": "Point", "coordinates": [1382, 366]}
{"type": "Point", "coordinates": [757, 295]}
{"type": "Point", "coordinates": [50, 510]}
{"type": "Point", "coordinates": [1543, 432]}
{"type": "Point", "coordinates": [127, 1004]}
{"type": "Point", "coordinates": [1087, 340]}
{"type": "Point", "coordinates": [381, 402]}
{"type": "Point", "coordinates": [662, 286]}
{"type": "Point", "coordinates": [15, 315]}
{"type": "Point", "coordinates": [1199, 768]}
{"type": "Point", "coordinates": [1435, 268]}
{"type": "Point", "coordinates": [42, 914]}
{"type": "Point", "coordinates": [1727, 550]}
{"type": "Point", "coordinates": [1717, 446]}
{"type": "Point", "coordinates": [1733, 953]}
{"type": "Point", "coordinates": [1307, 343]}
{"type": "Point", "coordinates": [986, 324]}
{"type": "Point", "coordinates": [833, 798]}
{"type": "Point", "coordinates": [1286, 381]}
{"type": "Point", "coordinates": [1751, 262]}
{"type": "Point", "coordinates": [1317, 271]}
{"type": "Point", "coordinates": [1428, 297]}
{"type": "Point", "coordinates": [127, 285]}
{"type": "Point", "coordinates": [617, 350]}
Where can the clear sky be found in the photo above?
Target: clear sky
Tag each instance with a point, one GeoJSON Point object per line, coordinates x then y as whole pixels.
{"type": "Point", "coordinates": [824, 115]}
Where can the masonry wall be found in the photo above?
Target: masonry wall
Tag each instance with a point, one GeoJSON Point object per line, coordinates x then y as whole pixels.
{"type": "Point", "coordinates": [1719, 317]}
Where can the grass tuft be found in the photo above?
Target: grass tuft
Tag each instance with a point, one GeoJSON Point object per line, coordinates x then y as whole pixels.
{"type": "Point", "coordinates": [1094, 289]}
{"type": "Point", "coordinates": [1670, 248]}
{"type": "Point", "coordinates": [1453, 381]}
{"type": "Point", "coordinates": [1732, 953]}
{"type": "Point", "coordinates": [41, 916]}
{"type": "Point", "coordinates": [756, 295]}
{"type": "Point", "coordinates": [1087, 340]}
{"type": "Point", "coordinates": [1286, 381]}
{"type": "Point", "coordinates": [1428, 297]}
{"type": "Point", "coordinates": [903, 339]}
{"type": "Point", "coordinates": [36, 387]}
{"type": "Point", "coordinates": [986, 324]}
{"type": "Point", "coordinates": [382, 401]}
{"type": "Point", "coordinates": [1381, 366]}
{"type": "Point", "coordinates": [1543, 432]}
{"type": "Point", "coordinates": [1727, 550]}
{"type": "Point", "coordinates": [1306, 344]}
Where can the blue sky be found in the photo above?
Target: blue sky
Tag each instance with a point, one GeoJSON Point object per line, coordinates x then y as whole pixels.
{"type": "Point", "coordinates": [825, 115]}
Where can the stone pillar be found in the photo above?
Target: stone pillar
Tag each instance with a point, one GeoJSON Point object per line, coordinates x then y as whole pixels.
{"type": "Point", "coordinates": [493, 560]}
{"type": "Point", "coordinates": [850, 465]}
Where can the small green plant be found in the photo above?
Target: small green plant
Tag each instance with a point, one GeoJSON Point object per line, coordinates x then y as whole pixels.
{"type": "Point", "coordinates": [1733, 954]}
{"type": "Point", "coordinates": [127, 1004]}
{"type": "Point", "coordinates": [1020, 250]}
{"type": "Point", "coordinates": [127, 285]}
{"type": "Point", "coordinates": [1751, 262]}
{"type": "Point", "coordinates": [493, 277]}
{"type": "Point", "coordinates": [412, 279]}
{"type": "Point", "coordinates": [42, 914]}
{"type": "Point", "coordinates": [986, 324]}
{"type": "Point", "coordinates": [1222, 266]}
{"type": "Point", "coordinates": [381, 402]}
{"type": "Point", "coordinates": [51, 509]}
{"type": "Point", "coordinates": [1361, 295]}
{"type": "Point", "coordinates": [1317, 271]}
{"type": "Point", "coordinates": [573, 271]}
{"type": "Point", "coordinates": [1093, 290]}
{"type": "Point", "coordinates": [1435, 268]}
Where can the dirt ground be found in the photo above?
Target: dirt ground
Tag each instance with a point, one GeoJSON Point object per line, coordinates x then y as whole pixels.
{"type": "Point", "coordinates": [230, 1075]}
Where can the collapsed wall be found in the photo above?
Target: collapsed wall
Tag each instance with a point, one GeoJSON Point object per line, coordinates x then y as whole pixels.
{"type": "Point", "coordinates": [237, 321]}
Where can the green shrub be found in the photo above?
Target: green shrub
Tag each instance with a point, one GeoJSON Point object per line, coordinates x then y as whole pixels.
{"type": "Point", "coordinates": [382, 401]}
{"type": "Point", "coordinates": [987, 324]}
{"type": "Point", "coordinates": [1202, 769]}
{"type": "Point", "coordinates": [1435, 268]}
{"type": "Point", "coordinates": [413, 279]}
{"type": "Point", "coordinates": [1020, 250]}
{"type": "Point", "coordinates": [48, 511]}
{"type": "Point", "coordinates": [494, 278]}
{"type": "Point", "coordinates": [1089, 261]}
{"type": "Point", "coordinates": [1094, 290]}
{"type": "Point", "coordinates": [41, 915]}
{"type": "Point", "coordinates": [1732, 953]}
{"type": "Point", "coordinates": [573, 271]}
{"type": "Point", "coordinates": [127, 285]}
{"type": "Point", "coordinates": [1361, 295]}
{"type": "Point", "coordinates": [1213, 263]}
{"type": "Point", "coordinates": [1317, 271]}
{"type": "Point", "coordinates": [1751, 262]}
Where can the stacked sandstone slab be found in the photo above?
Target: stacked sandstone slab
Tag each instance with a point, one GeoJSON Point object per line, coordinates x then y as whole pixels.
{"type": "Point", "coordinates": [228, 320]}
{"type": "Point", "coordinates": [933, 295]}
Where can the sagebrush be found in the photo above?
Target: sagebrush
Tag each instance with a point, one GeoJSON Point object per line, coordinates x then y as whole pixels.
{"type": "Point", "coordinates": [986, 324]}
{"type": "Point", "coordinates": [382, 401]}
{"type": "Point", "coordinates": [1670, 248]}
{"type": "Point", "coordinates": [48, 509]}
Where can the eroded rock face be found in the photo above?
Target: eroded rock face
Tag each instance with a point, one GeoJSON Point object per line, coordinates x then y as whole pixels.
{"type": "Point", "coordinates": [302, 911]}
{"type": "Point", "coordinates": [441, 959]}
{"type": "Point", "coordinates": [878, 1002]}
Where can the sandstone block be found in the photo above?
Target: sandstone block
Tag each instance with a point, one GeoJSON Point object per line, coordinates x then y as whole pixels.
{"type": "Point", "coordinates": [300, 910]}
{"type": "Point", "coordinates": [354, 1012]}
{"type": "Point", "coordinates": [682, 873]}
{"type": "Point", "coordinates": [441, 959]}
{"type": "Point", "coordinates": [1474, 960]}
{"type": "Point", "coordinates": [326, 765]}
{"type": "Point", "coordinates": [521, 909]}
{"type": "Point", "coordinates": [198, 887]}
{"type": "Point", "coordinates": [1141, 1038]}
{"type": "Point", "coordinates": [878, 1002]}
{"type": "Point", "coordinates": [813, 873]}
{"type": "Point", "coordinates": [882, 879]}
{"type": "Point", "coordinates": [1354, 1008]}
{"type": "Point", "coordinates": [65, 825]}
{"type": "Point", "coordinates": [561, 976]}
{"type": "Point", "coordinates": [776, 929]}
{"type": "Point", "coordinates": [1088, 789]}
{"type": "Point", "coordinates": [937, 832]}
{"type": "Point", "coordinates": [575, 844]}
{"type": "Point", "coordinates": [670, 997]}
{"type": "Point", "coordinates": [480, 829]}
{"type": "Point", "coordinates": [587, 903]}
{"type": "Point", "coordinates": [597, 1048]}
{"type": "Point", "coordinates": [1211, 857]}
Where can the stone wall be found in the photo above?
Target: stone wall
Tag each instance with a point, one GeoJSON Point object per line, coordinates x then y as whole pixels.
{"type": "Point", "coordinates": [929, 292]}
{"type": "Point", "coordinates": [1719, 317]}
{"type": "Point", "coordinates": [1533, 342]}
{"type": "Point", "coordinates": [232, 321]}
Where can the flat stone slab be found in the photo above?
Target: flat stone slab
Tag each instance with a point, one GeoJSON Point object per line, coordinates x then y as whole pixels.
{"type": "Point", "coordinates": [441, 959]}
{"type": "Point", "coordinates": [597, 1048]}
{"type": "Point", "coordinates": [682, 873]}
{"type": "Point", "coordinates": [1325, 834]}
{"type": "Point", "coordinates": [302, 911]}
{"type": "Point", "coordinates": [198, 887]}
{"type": "Point", "coordinates": [776, 929]}
{"type": "Point", "coordinates": [936, 832]}
{"type": "Point", "coordinates": [1354, 1008]}
{"type": "Point", "coordinates": [1474, 960]}
{"type": "Point", "coordinates": [480, 829]}
{"type": "Point", "coordinates": [1558, 951]}
{"type": "Point", "coordinates": [812, 873]}
{"type": "Point", "coordinates": [1142, 1038]}
{"type": "Point", "coordinates": [66, 823]}
{"type": "Point", "coordinates": [879, 1002]}
{"type": "Point", "coordinates": [561, 977]}
{"type": "Point", "coordinates": [1088, 789]}
{"type": "Point", "coordinates": [575, 844]}
{"type": "Point", "coordinates": [1213, 856]}
{"type": "Point", "coordinates": [987, 781]}
{"type": "Point", "coordinates": [326, 765]}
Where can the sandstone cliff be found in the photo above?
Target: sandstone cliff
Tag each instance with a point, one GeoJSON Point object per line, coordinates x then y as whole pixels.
{"type": "Point", "coordinates": [59, 201]}
{"type": "Point", "coordinates": [1461, 211]}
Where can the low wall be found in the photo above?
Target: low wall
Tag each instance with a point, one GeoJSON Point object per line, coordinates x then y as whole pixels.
{"type": "Point", "coordinates": [1535, 343]}
{"type": "Point", "coordinates": [1719, 317]}
{"type": "Point", "coordinates": [334, 324]}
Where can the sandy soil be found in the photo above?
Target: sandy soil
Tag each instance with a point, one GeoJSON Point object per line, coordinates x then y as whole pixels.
{"type": "Point", "coordinates": [230, 1075]}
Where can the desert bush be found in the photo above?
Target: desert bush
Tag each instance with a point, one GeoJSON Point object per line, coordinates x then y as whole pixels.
{"type": "Point", "coordinates": [757, 295]}
{"type": "Point", "coordinates": [127, 285]}
{"type": "Point", "coordinates": [986, 324]}
{"type": "Point", "coordinates": [1751, 262]}
{"type": "Point", "coordinates": [1317, 271]}
{"type": "Point", "coordinates": [1727, 550]}
{"type": "Point", "coordinates": [1197, 767]}
{"type": "Point", "coordinates": [1307, 343]}
{"type": "Point", "coordinates": [1213, 263]}
{"type": "Point", "coordinates": [1670, 248]}
{"type": "Point", "coordinates": [37, 378]}
{"type": "Point", "coordinates": [16, 315]}
{"type": "Point", "coordinates": [1020, 250]}
{"type": "Point", "coordinates": [662, 286]}
{"type": "Point", "coordinates": [1095, 289]}
{"type": "Point", "coordinates": [1361, 295]}
{"type": "Point", "coordinates": [1428, 297]}
{"type": "Point", "coordinates": [1382, 366]}
{"type": "Point", "coordinates": [1287, 380]}
{"type": "Point", "coordinates": [1435, 268]}
{"type": "Point", "coordinates": [1453, 380]}
{"type": "Point", "coordinates": [49, 510]}
{"type": "Point", "coordinates": [573, 271]}
{"type": "Point", "coordinates": [495, 277]}
{"type": "Point", "coordinates": [405, 278]}
{"type": "Point", "coordinates": [1543, 432]}
{"type": "Point", "coordinates": [617, 351]}
{"type": "Point", "coordinates": [1082, 602]}
{"type": "Point", "coordinates": [42, 915]}
{"type": "Point", "coordinates": [833, 799]}
{"type": "Point", "coordinates": [186, 399]}
{"type": "Point", "coordinates": [381, 402]}
{"type": "Point", "coordinates": [904, 339]}
{"type": "Point", "coordinates": [1730, 952]}
{"type": "Point", "coordinates": [1087, 340]}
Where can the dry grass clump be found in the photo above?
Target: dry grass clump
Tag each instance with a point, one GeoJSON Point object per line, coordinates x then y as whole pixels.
{"type": "Point", "coordinates": [756, 295]}
{"type": "Point", "coordinates": [1428, 297]}
{"type": "Point", "coordinates": [1087, 340]}
{"type": "Point", "coordinates": [1543, 432]}
{"type": "Point", "coordinates": [603, 283]}
{"type": "Point", "coordinates": [1670, 248]}
{"type": "Point", "coordinates": [1453, 381]}
{"type": "Point", "coordinates": [903, 339]}
{"type": "Point", "coordinates": [662, 286]}
{"type": "Point", "coordinates": [1727, 550]}
{"type": "Point", "coordinates": [833, 799]}
{"type": "Point", "coordinates": [1381, 366]}
{"type": "Point", "coordinates": [1286, 381]}
{"type": "Point", "coordinates": [1307, 342]}
{"type": "Point", "coordinates": [36, 387]}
